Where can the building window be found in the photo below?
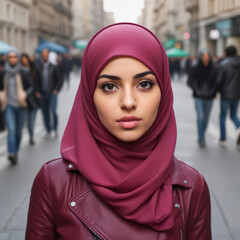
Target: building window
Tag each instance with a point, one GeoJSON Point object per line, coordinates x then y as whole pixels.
{"type": "Point", "coordinates": [210, 7]}
{"type": "Point", "coordinates": [8, 10]}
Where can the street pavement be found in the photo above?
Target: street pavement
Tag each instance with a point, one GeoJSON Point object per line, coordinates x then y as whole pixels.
{"type": "Point", "coordinates": [219, 165]}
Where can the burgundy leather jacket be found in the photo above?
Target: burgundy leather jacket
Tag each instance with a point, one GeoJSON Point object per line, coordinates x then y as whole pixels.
{"type": "Point", "coordinates": [63, 207]}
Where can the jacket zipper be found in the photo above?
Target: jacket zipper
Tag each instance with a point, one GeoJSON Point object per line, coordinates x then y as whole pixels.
{"type": "Point", "coordinates": [96, 237]}
{"type": "Point", "coordinates": [181, 233]}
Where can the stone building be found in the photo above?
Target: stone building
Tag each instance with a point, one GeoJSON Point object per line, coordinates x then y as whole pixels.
{"type": "Point", "coordinates": [147, 17]}
{"type": "Point", "coordinates": [160, 19]}
{"type": "Point", "coordinates": [109, 18]}
{"type": "Point", "coordinates": [215, 24]}
{"type": "Point", "coordinates": [25, 23]}
{"type": "Point", "coordinates": [219, 25]}
{"type": "Point", "coordinates": [52, 21]}
{"type": "Point", "coordinates": [191, 6]}
{"type": "Point", "coordinates": [14, 23]}
{"type": "Point", "coordinates": [182, 21]}
{"type": "Point", "coordinates": [168, 20]}
{"type": "Point", "coordinates": [88, 18]}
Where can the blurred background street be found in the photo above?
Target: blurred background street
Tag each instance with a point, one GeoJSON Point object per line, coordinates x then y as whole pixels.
{"type": "Point", "coordinates": [220, 166]}
{"type": "Point", "coordinates": [64, 27]}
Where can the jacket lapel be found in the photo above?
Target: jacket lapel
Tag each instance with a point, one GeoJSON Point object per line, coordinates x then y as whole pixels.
{"type": "Point", "coordinates": [106, 223]}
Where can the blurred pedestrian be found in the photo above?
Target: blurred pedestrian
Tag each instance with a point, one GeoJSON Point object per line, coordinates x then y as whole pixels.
{"type": "Point", "coordinates": [2, 111]}
{"type": "Point", "coordinates": [32, 102]}
{"type": "Point", "coordinates": [15, 86]}
{"type": "Point", "coordinates": [230, 92]}
{"type": "Point", "coordinates": [78, 63]}
{"type": "Point", "coordinates": [171, 66]}
{"type": "Point", "coordinates": [2, 61]}
{"type": "Point", "coordinates": [47, 89]}
{"type": "Point", "coordinates": [67, 68]}
{"type": "Point", "coordinates": [204, 80]}
{"type": "Point", "coordinates": [118, 169]}
{"type": "Point", "coordinates": [183, 62]}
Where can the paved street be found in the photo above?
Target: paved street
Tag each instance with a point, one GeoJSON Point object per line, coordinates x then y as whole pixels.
{"type": "Point", "coordinates": [219, 165]}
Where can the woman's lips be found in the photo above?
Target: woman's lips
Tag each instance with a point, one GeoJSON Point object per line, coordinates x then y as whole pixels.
{"type": "Point", "coordinates": [129, 121]}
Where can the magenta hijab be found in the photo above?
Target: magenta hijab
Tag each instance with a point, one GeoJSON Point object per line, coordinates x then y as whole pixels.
{"type": "Point", "coordinates": [131, 177]}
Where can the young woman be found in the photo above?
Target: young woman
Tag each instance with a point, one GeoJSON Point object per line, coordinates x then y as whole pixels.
{"type": "Point", "coordinates": [204, 79]}
{"type": "Point", "coordinates": [118, 177]}
{"type": "Point", "coordinates": [33, 75]}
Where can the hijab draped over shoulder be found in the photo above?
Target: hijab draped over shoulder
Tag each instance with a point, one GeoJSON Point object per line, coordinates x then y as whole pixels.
{"type": "Point", "coordinates": [130, 177]}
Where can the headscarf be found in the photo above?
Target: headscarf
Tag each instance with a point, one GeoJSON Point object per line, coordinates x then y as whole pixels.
{"type": "Point", "coordinates": [142, 194]}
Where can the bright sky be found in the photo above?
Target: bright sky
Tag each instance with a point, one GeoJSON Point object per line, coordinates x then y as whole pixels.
{"type": "Point", "coordinates": [124, 10]}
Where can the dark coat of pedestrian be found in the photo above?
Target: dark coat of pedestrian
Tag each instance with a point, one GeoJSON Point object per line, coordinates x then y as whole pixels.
{"type": "Point", "coordinates": [67, 68]}
{"type": "Point", "coordinates": [230, 92]}
{"type": "Point", "coordinates": [204, 79]}
{"type": "Point", "coordinates": [32, 101]}
{"type": "Point", "coordinates": [118, 177]}
{"type": "Point", "coordinates": [47, 89]}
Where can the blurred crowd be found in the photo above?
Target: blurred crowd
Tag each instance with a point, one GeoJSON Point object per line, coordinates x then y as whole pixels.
{"type": "Point", "coordinates": [28, 84]}
{"type": "Point", "coordinates": [32, 83]}
{"type": "Point", "coordinates": [208, 77]}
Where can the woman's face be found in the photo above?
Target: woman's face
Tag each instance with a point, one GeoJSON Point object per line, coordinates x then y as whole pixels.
{"type": "Point", "coordinates": [127, 97]}
{"type": "Point", "coordinates": [205, 58]}
{"type": "Point", "coordinates": [24, 61]}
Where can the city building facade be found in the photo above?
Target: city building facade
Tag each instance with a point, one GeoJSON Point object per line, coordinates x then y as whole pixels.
{"type": "Point", "coordinates": [50, 20]}
{"type": "Point", "coordinates": [88, 18]}
{"type": "Point", "coordinates": [214, 24]}
{"type": "Point", "coordinates": [191, 6]}
{"type": "Point", "coordinates": [160, 19]}
{"type": "Point", "coordinates": [219, 25]}
{"type": "Point", "coordinates": [147, 17]}
{"type": "Point", "coordinates": [14, 23]}
{"type": "Point", "coordinates": [182, 21]}
{"type": "Point", "coordinates": [24, 24]}
{"type": "Point", "coordinates": [168, 20]}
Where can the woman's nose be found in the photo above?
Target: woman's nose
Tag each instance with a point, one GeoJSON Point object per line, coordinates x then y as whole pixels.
{"type": "Point", "coordinates": [128, 100]}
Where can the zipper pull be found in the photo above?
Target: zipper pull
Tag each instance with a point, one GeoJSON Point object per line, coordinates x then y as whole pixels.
{"type": "Point", "coordinates": [96, 237]}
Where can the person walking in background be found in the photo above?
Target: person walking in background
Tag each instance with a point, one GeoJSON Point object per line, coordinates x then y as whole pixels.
{"type": "Point", "coordinates": [183, 62]}
{"type": "Point", "coordinates": [77, 62]}
{"type": "Point", "coordinates": [47, 89]}
{"type": "Point", "coordinates": [67, 68]}
{"type": "Point", "coordinates": [15, 86]}
{"type": "Point", "coordinates": [2, 61]}
{"type": "Point", "coordinates": [204, 80]}
{"type": "Point", "coordinates": [32, 102]}
{"type": "Point", "coordinates": [230, 92]}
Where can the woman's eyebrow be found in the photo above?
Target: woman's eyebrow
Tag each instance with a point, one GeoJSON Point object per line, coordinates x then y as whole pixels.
{"type": "Point", "coordinates": [109, 76]}
{"type": "Point", "coordinates": [139, 75]}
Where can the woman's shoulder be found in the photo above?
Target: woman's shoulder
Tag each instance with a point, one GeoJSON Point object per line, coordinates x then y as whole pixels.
{"type": "Point", "coordinates": [59, 173]}
{"type": "Point", "coordinates": [184, 172]}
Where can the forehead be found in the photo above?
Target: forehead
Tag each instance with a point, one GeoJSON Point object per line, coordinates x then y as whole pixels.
{"type": "Point", "coordinates": [205, 54]}
{"type": "Point", "coordinates": [12, 54]}
{"type": "Point", "coordinates": [124, 64]}
{"type": "Point", "coordinates": [44, 52]}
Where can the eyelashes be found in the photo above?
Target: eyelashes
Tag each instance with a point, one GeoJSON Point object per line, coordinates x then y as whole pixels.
{"type": "Point", "coordinates": [146, 84]}
{"type": "Point", "coordinates": [108, 87]}
{"type": "Point", "coordinates": [112, 87]}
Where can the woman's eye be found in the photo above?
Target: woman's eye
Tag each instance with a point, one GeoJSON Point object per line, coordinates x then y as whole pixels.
{"type": "Point", "coordinates": [145, 85]}
{"type": "Point", "coordinates": [108, 87]}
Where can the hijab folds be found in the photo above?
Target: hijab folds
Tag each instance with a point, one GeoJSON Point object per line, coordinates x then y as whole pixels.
{"type": "Point", "coordinates": [131, 177]}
